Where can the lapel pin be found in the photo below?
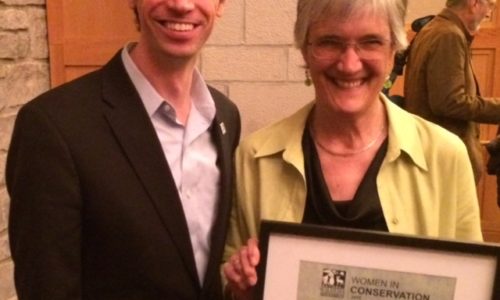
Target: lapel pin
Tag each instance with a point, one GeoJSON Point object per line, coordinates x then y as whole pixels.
{"type": "Point", "coordinates": [222, 127]}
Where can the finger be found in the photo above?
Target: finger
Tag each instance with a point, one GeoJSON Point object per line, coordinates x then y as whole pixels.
{"type": "Point", "coordinates": [236, 263]}
{"type": "Point", "coordinates": [254, 252]}
{"type": "Point", "coordinates": [231, 274]}
{"type": "Point", "coordinates": [249, 271]}
{"type": "Point", "coordinates": [241, 270]}
{"type": "Point", "coordinates": [235, 278]}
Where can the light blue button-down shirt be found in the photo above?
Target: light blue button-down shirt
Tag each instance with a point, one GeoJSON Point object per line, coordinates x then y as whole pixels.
{"type": "Point", "coordinates": [190, 153]}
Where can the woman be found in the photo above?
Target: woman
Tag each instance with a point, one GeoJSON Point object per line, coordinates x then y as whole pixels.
{"type": "Point", "coordinates": [350, 158]}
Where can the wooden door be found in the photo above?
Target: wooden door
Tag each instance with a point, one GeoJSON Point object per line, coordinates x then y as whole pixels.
{"type": "Point", "coordinates": [83, 35]}
{"type": "Point", "coordinates": [486, 61]}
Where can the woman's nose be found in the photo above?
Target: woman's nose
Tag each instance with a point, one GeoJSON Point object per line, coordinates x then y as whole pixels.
{"type": "Point", "coordinates": [349, 60]}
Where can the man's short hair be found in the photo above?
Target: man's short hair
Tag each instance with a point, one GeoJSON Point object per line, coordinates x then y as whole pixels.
{"type": "Point", "coordinates": [455, 3]}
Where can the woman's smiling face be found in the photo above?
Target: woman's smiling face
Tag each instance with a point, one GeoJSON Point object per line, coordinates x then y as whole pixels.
{"type": "Point", "coordinates": [349, 80]}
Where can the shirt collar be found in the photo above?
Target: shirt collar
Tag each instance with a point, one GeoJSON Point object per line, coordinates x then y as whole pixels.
{"type": "Point", "coordinates": [202, 98]}
{"type": "Point", "coordinates": [403, 137]}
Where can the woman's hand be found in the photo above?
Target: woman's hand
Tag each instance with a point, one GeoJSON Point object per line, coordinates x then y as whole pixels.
{"type": "Point", "coordinates": [241, 272]}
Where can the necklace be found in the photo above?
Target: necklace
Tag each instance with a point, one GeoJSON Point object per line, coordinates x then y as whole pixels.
{"type": "Point", "coordinates": [348, 153]}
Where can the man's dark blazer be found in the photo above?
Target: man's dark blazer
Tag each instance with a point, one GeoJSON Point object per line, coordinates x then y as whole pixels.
{"type": "Point", "coordinates": [95, 212]}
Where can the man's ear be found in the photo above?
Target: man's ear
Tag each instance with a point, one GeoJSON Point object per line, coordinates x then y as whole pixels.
{"type": "Point", "coordinates": [220, 8]}
{"type": "Point", "coordinates": [473, 4]}
{"type": "Point", "coordinates": [131, 4]}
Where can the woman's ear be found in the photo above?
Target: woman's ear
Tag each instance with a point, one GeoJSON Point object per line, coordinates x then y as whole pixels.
{"type": "Point", "coordinates": [303, 51]}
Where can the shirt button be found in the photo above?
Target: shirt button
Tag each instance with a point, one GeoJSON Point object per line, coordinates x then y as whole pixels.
{"type": "Point", "coordinates": [395, 221]}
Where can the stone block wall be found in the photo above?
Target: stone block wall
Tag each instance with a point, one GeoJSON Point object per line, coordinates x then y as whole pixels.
{"type": "Point", "coordinates": [24, 73]}
{"type": "Point", "coordinates": [251, 57]}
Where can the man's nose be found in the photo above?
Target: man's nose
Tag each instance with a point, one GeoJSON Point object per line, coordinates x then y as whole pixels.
{"type": "Point", "coordinates": [181, 5]}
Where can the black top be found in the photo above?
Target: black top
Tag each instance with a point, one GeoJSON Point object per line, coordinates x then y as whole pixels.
{"type": "Point", "coordinates": [362, 212]}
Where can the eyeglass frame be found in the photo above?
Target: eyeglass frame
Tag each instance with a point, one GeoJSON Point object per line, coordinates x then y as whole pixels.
{"type": "Point", "coordinates": [340, 46]}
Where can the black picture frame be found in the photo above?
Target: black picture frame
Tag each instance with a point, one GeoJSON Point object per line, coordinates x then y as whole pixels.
{"type": "Point", "coordinates": [289, 250]}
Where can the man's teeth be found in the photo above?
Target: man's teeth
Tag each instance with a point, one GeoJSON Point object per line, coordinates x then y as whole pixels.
{"type": "Point", "coordinates": [349, 84]}
{"type": "Point", "coordinates": [180, 26]}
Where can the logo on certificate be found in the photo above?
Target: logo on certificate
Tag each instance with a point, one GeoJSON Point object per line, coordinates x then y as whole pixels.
{"type": "Point", "coordinates": [320, 281]}
{"type": "Point", "coordinates": [333, 283]}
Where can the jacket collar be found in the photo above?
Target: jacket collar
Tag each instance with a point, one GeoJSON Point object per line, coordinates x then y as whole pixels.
{"type": "Point", "coordinates": [403, 135]}
{"type": "Point", "coordinates": [286, 137]}
{"type": "Point", "coordinates": [449, 15]}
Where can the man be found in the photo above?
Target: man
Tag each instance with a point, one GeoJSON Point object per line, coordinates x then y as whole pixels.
{"type": "Point", "coordinates": [439, 82]}
{"type": "Point", "coordinates": [120, 181]}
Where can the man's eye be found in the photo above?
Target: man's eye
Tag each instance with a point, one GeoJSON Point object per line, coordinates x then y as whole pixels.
{"type": "Point", "coordinates": [330, 43]}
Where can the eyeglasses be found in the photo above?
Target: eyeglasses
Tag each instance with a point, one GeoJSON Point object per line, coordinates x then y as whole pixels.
{"type": "Point", "coordinates": [329, 48]}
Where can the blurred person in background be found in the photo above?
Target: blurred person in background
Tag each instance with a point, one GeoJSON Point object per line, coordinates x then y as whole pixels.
{"type": "Point", "coordinates": [440, 85]}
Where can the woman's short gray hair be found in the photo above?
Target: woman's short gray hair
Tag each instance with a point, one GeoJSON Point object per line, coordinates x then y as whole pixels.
{"type": "Point", "coordinates": [310, 11]}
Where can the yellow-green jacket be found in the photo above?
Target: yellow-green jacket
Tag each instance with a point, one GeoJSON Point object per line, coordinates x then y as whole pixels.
{"type": "Point", "coordinates": [425, 183]}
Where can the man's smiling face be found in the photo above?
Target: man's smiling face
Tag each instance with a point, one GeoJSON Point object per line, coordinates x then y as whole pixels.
{"type": "Point", "coordinates": [175, 28]}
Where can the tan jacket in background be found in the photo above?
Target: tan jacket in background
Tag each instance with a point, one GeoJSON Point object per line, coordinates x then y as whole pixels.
{"type": "Point", "coordinates": [440, 84]}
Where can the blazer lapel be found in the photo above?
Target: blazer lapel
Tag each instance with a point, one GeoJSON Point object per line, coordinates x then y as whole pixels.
{"type": "Point", "coordinates": [225, 134]}
{"type": "Point", "coordinates": [134, 131]}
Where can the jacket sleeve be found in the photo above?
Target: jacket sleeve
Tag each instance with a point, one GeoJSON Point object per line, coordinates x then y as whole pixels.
{"type": "Point", "coordinates": [468, 220]}
{"type": "Point", "coordinates": [45, 212]}
{"type": "Point", "coordinates": [240, 225]}
{"type": "Point", "coordinates": [451, 84]}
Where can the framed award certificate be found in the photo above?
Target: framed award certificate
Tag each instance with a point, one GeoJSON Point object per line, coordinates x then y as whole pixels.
{"type": "Point", "coordinates": [308, 262]}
